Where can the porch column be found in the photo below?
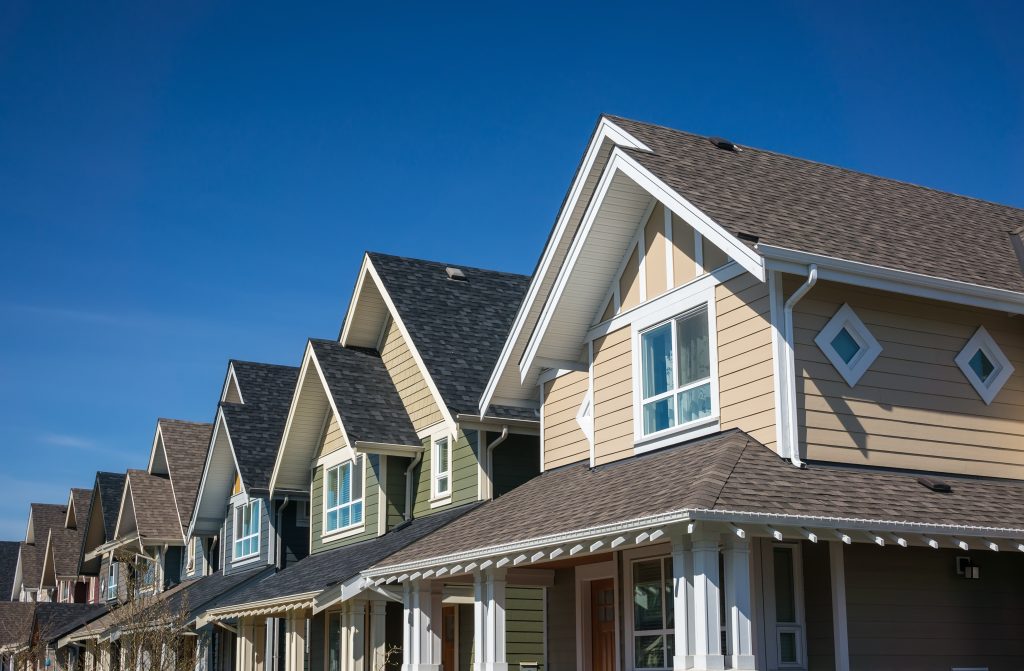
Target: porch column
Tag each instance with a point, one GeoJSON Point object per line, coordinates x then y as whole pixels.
{"type": "Point", "coordinates": [378, 629]}
{"type": "Point", "coordinates": [494, 650]}
{"type": "Point", "coordinates": [682, 600]}
{"type": "Point", "coordinates": [837, 570]}
{"type": "Point", "coordinates": [423, 649]}
{"type": "Point", "coordinates": [707, 640]}
{"type": "Point", "coordinates": [294, 642]}
{"type": "Point", "coordinates": [738, 602]}
{"type": "Point", "coordinates": [479, 619]}
{"type": "Point", "coordinates": [356, 624]}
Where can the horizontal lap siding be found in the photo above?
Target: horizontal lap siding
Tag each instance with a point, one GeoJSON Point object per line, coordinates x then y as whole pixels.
{"type": "Point", "coordinates": [229, 544]}
{"type": "Point", "coordinates": [907, 609]}
{"type": "Point", "coordinates": [613, 396]}
{"type": "Point", "coordinates": [564, 441]}
{"type": "Point", "coordinates": [745, 371]}
{"type": "Point", "coordinates": [524, 625]}
{"type": "Point", "coordinates": [371, 469]}
{"type": "Point", "coordinates": [409, 381]}
{"type": "Point", "coordinates": [913, 408]}
{"type": "Point", "coordinates": [333, 438]}
{"type": "Point", "coordinates": [464, 475]}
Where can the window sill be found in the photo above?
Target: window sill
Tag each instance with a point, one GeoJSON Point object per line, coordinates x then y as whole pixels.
{"type": "Point", "coordinates": [248, 559]}
{"type": "Point", "coordinates": [342, 533]}
{"type": "Point", "coordinates": [695, 429]}
{"type": "Point", "coordinates": [438, 501]}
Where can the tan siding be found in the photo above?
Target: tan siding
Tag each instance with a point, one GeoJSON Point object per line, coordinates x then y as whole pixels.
{"type": "Point", "coordinates": [713, 256]}
{"type": "Point", "coordinates": [629, 283]}
{"type": "Point", "coordinates": [913, 408]}
{"type": "Point", "coordinates": [564, 441]}
{"type": "Point", "coordinates": [613, 396]}
{"type": "Point", "coordinates": [684, 265]}
{"type": "Point", "coordinates": [408, 378]}
{"type": "Point", "coordinates": [655, 243]}
{"type": "Point", "coordinates": [333, 439]}
{"type": "Point", "coordinates": [745, 370]}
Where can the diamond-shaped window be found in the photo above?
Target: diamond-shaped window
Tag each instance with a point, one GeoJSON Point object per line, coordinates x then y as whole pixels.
{"type": "Point", "coordinates": [984, 365]}
{"type": "Point", "coordinates": [848, 344]}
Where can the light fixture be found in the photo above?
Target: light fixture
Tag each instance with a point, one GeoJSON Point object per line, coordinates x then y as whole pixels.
{"type": "Point", "coordinates": [967, 569]}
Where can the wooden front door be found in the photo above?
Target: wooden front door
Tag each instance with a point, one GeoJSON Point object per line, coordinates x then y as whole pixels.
{"type": "Point", "coordinates": [602, 625]}
{"type": "Point", "coordinates": [449, 624]}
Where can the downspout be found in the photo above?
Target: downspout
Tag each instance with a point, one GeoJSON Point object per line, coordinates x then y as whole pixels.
{"type": "Point", "coordinates": [408, 485]}
{"type": "Point", "coordinates": [490, 459]}
{"type": "Point", "coordinates": [277, 531]}
{"type": "Point", "coordinates": [791, 423]}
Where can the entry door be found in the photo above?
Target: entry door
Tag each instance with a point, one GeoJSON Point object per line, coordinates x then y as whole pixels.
{"type": "Point", "coordinates": [602, 625]}
{"type": "Point", "coordinates": [448, 638]}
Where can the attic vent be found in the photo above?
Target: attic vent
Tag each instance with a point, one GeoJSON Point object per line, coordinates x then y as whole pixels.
{"type": "Point", "coordinates": [749, 237]}
{"type": "Point", "coordinates": [722, 143]}
{"type": "Point", "coordinates": [456, 274]}
{"type": "Point", "coordinates": [935, 485]}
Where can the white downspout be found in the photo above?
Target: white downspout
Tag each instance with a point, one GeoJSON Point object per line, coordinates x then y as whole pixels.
{"type": "Point", "coordinates": [790, 363]}
{"type": "Point", "coordinates": [408, 485]}
{"type": "Point", "coordinates": [490, 453]}
{"type": "Point", "coordinates": [277, 532]}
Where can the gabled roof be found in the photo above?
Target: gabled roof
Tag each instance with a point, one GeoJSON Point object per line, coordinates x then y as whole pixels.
{"type": "Point", "coordinates": [79, 505]}
{"type": "Point", "coordinates": [367, 401]}
{"type": "Point", "coordinates": [148, 508]}
{"type": "Point", "coordinates": [812, 207]}
{"type": "Point", "coordinates": [53, 620]}
{"type": "Point", "coordinates": [65, 545]}
{"type": "Point", "coordinates": [8, 564]}
{"type": "Point", "coordinates": [44, 517]}
{"type": "Point", "coordinates": [184, 445]}
{"type": "Point", "coordinates": [110, 487]}
{"type": "Point", "coordinates": [30, 559]}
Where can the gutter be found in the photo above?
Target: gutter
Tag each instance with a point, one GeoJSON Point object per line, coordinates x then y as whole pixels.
{"type": "Point", "coordinates": [792, 432]}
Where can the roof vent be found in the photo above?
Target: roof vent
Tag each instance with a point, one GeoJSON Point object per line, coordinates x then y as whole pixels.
{"type": "Point", "coordinates": [748, 237]}
{"type": "Point", "coordinates": [722, 143]}
{"type": "Point", "coordinates": [456, 274]}
{"type": "Point", "coordinates": [935, 485]}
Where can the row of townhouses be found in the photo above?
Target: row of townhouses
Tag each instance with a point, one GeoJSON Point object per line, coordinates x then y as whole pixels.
{"type": "Point", "coordinates": [749, 412]}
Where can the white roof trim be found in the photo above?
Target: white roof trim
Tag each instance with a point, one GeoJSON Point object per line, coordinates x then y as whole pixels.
{"type": "Point", "coordinates": [229, 380]}
{"type": "Point", "coordinates": [366, 447]}
{"type": "Point", "coordinates": [218, 422]}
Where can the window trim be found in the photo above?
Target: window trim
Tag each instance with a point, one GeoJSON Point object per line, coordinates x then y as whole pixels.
{"type": "Point", "coordinates": [352, 528]}
{"type": "Point", "coordinates": [435, 474]}
{"type": "Point", "coordinates": [235, 538]}
{"type": "Point", "coordinates": [113, 579]}
{"type": "Point", "coordinates": [983, 341]}
{"type": "Point", "coordinates": [846, 317]}
{"type": "Point", "coordinates": [668, 308]}
{"type": "Point", "coordinates": [624, 608]}
{"type": "Point", "coordinates": [772, 627]}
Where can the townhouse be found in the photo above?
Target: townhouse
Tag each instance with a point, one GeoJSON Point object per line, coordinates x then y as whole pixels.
{"type": "Point", "coordinates": [99, 524]}
{"type": "Point", "coordinates": [60, 575]}
{"type": "Point", "coordinates": [31, 554]}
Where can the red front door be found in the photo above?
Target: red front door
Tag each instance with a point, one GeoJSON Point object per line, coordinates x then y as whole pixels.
{"type": "Point", "coordinates": [602, 625]}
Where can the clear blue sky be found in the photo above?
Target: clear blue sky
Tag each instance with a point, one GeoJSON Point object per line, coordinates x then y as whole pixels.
{"type": "Point", "coordinates": [184, 184]}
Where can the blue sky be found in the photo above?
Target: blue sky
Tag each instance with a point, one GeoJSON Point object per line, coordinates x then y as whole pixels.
{"type": "Point", "coordinates": [192, 182]}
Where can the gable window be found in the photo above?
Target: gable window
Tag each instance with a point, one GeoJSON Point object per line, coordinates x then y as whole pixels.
{"type": "Point", "coordinates": [343, 493]}
{"type": "Point", "coordinates": [675, 379]}
{"type": "Point", "coordinates": [112, 571]}
{"type": "Point", "coordinates": [247, 529]}
{"type": "Point", "coordinates": [441, 464]}
{"type": "Point", "coordinates": [984, 365]}
{"type": "Point", "coordinates": [848, 344]}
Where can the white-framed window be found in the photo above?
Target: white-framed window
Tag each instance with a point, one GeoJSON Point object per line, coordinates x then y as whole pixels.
{"type": "Point", "coordinates": [112, 576]}
{"type": "Point", "coordinates": [585, 416]}
{"type": "Point", "coordinates": [65, 591]}
{"type": "Point", "coordinates": [677, 389]}
{"type": "Point", "coordinates": [247, 529]}
{"type": "Point", "coordinates": [652, 640]}
{"type": "Point", "coordinates": [984, 365]}
{"type": "Point", "coordinates": [441, 466]}
{"type": "Point", "coordinates": [782, 568]}
{"type": "Point", "coordinates": [848, 344]}
{"type": "Point", "coordinates": [343, 495]}
{"type": "Point", "coordinates": [147, 581]}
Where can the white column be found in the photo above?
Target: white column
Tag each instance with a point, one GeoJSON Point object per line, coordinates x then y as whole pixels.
{"type": "Point", "coordinates": [837, 570]}
{"type": "Point", "coordinates": [707, 648]}
{"type": "Point", "coordinates": [378, 630]}
{"type": "Point", "coordinates": [738, 602]}
{"type": "Point", "coordinates": [682, 600]}
{"type": "Point", "coordinates": [408, 625]}
{"type": "Point", "coordinates": [479, 620]}
{"type": "Point", "coordinates": [494, 648]}
{"type": "Point", "coordinates": [357, 626]}
{"type": "Point", "coordinates": [423, 649]}
{"type": "Point", "coordinates": [294, 642]}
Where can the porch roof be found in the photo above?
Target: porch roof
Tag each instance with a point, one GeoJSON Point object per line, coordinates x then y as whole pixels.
{"type": "Point", "coordinates": [727, 477]}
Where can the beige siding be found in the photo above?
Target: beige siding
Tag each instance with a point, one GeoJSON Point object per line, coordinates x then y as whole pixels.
{"type": "Point", "coordinates": [713, 257]}
{"type": "Point", "coordinates": [333, 438]}
{"type": "Point", "coordinates": [613, 396]}
{"type": "Point", "coordinates": [913, 408]}
{"type": "Point", "coordinates": [409, 380]}
{"type": "Point", "coordinates": [684, 264]}
{"type": "Point", "coordinates": [629, 282]}
{"type": "Point", "coordinates": [564, 442]}
{"type": "Point", "coordinates": [746, 382]}
{"type": "Point", "coordinates": [655, 245]}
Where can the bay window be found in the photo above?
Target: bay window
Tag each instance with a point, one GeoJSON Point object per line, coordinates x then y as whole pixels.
{"type": "Point", "coordinates": [247, 529]}
{"type": "Point", "coordinates": [343, 496]}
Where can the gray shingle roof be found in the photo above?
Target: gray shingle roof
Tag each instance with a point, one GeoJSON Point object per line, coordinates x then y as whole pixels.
{"type": "Point", "coordinates": [16, 622]}
{"type": "Point", "coordinates": [66, 546]}
{"type": "Point", "coordinates": [54, 620]}
{"type": "Point", "coordinates": [320, 570]}
{"type": "Point", "coordinates": [185, 444]}
{"type": "Point", "coordinates": [256, 426]}
{"type": "Point", "coordinates": [81, 498]}
{"type": "Point", "coordinates": [8, 565]}
{"type": "Point", "coordinates": [207, 592]}
{"type": "Point", "coordinates": [728, 471]}
{"type": "Point", "coordinates": [367, 400]}
{"type": "Point", "coordinates": [31, 565]}
{"type": "Point", "coordinates": [437, 313]}
{"type": "Point", "coordinates": [822, 209]}
{"type": "Point", "coordinates": [153, 501]}
{"type": "Point", "coordinates": [111, 488]}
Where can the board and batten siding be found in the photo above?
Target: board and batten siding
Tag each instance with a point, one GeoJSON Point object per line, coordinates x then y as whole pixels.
{"type": "Point", "coordinates": [371, 498]}
{"type": "Point", "coordinates": [564, 440]}
{"type": "Point", "coordinates": [746, 387]}
{"type": "Point", "coordinates": [913, 408]}
{"type": "Point", "coordinates": [613, 396]}
{"type": "Point", "coordinates": [464, 475]}
{"type": "Point", "coordinates": [409, 381]}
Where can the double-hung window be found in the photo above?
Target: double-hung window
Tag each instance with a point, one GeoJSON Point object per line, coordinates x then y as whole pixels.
{"type": "Point", "coordinates": [441, 460]}
{"type": "Point", "coordinates": [112, 580]}
{"type": "Point", "coordinates": [247, 529]}
{"type": "Point", "coordinates": [675, 379]}
{"type": "Point", "coordinates": [343, 494]}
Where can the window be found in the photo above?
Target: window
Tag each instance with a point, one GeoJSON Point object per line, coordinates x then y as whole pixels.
{"type": "Point", "coordinates": [112, 571]}
{"type": "Point", "coordinates": [984, 364]}
{"type": "Point", "coordinates": [848, 344]}
{"type": "Point", "coordinates": [784, 605]}
{"type": "Point", "coordinates": [675, 362]}
{"type": "Point", "coordinates": [148, 578]}
{"type": "Point", "coordinates": [247, 529]}
{"type": "Point", "coordinates": [441, 464]}
{"type": "Point", "coordinates": [343, 507]}
{"type": "Point", "coordinates": [65, 592]}
{"type": "Point", "coordinates": [653, 642]}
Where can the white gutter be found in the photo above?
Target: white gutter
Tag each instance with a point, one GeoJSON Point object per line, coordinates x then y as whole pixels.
{"type": "Point", "coordinates": [793, 434]}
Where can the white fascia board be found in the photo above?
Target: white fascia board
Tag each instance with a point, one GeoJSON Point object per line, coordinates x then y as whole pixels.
{"type": "Point", "coordinates": [354, 300]}
{"type": "Point", "coordinates": [157, 436]}
{"type": "Point", "coordinates": [228, 380]}
{"type": "Point", "coordinates": [307, 357]}
{"type": "Point", "coordinates": [606, 130]}
{"type": "Point", "coordinates": [871, 276]}
{"type": "Point", "coordinates": [387, 449]}
{"type": "Point", "coordinates": [125, 494]}
{"type": "Point", "coordinates": [217, 423]}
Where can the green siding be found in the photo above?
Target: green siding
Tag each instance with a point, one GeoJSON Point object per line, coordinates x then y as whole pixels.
{"type": "Point", "coordinates": [516, 460]}
{"type": "Point", "coordinates": [524, 625]}
{"type": "Point", "coordinates": [395, 491]}
{"type": "Point", "coordinates": [370, 507]}
{"type": "Point", "coordinates": [464, 475]}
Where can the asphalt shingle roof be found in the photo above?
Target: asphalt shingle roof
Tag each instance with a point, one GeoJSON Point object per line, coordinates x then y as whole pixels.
{"type": "Point", "coordinates": [185, 445]}
{"type": "Point", "coordinates": [111, 489]}
{"type": "Point", "coordinates": [438, 313]}
{"type": "Point", "coordinates": [256, 426]}
{"type": "Point", "coordinates": [45, 516]}
{"type": "Point", "coordinates": [207, 592]}
{"type": "Point", "coordinates": [16, 622]}
{"type": "Point", "coordinates": [321, 570]}
{"type": "Point", "coordinates": [57, 619]}
{"type": "Point", "coordinates": [8, 565]}
{"type": "Point", "coordinates": [81, 499]}
{"type": "Point", "coordinates": [153, 501]}
{"type": "Point", "coordinates": [728, 471]}
{"type": "Point", "coordinates": [813, 207]}
{"type": "Point", "coordinates": [367, 400]}
{"type": "Point", "coordinates": [66, 546]}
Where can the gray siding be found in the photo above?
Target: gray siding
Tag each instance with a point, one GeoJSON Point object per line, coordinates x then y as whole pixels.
{"type": "Point", "coordinates": [232, 566]}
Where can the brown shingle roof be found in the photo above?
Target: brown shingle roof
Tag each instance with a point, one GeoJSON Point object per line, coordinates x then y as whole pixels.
{"type": "Point", "coordinates": [728, 473]}
{"type": "Point", "coordinates": [185, 445]}
{"type": "Point", "coordinates": [16, 622]}
{"type": "Point", "coordinates": [813, 207]}
{"type": "Point", "coordinates": [153, 500]}
{"type": "Point", "coordinates": [45, 516]}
